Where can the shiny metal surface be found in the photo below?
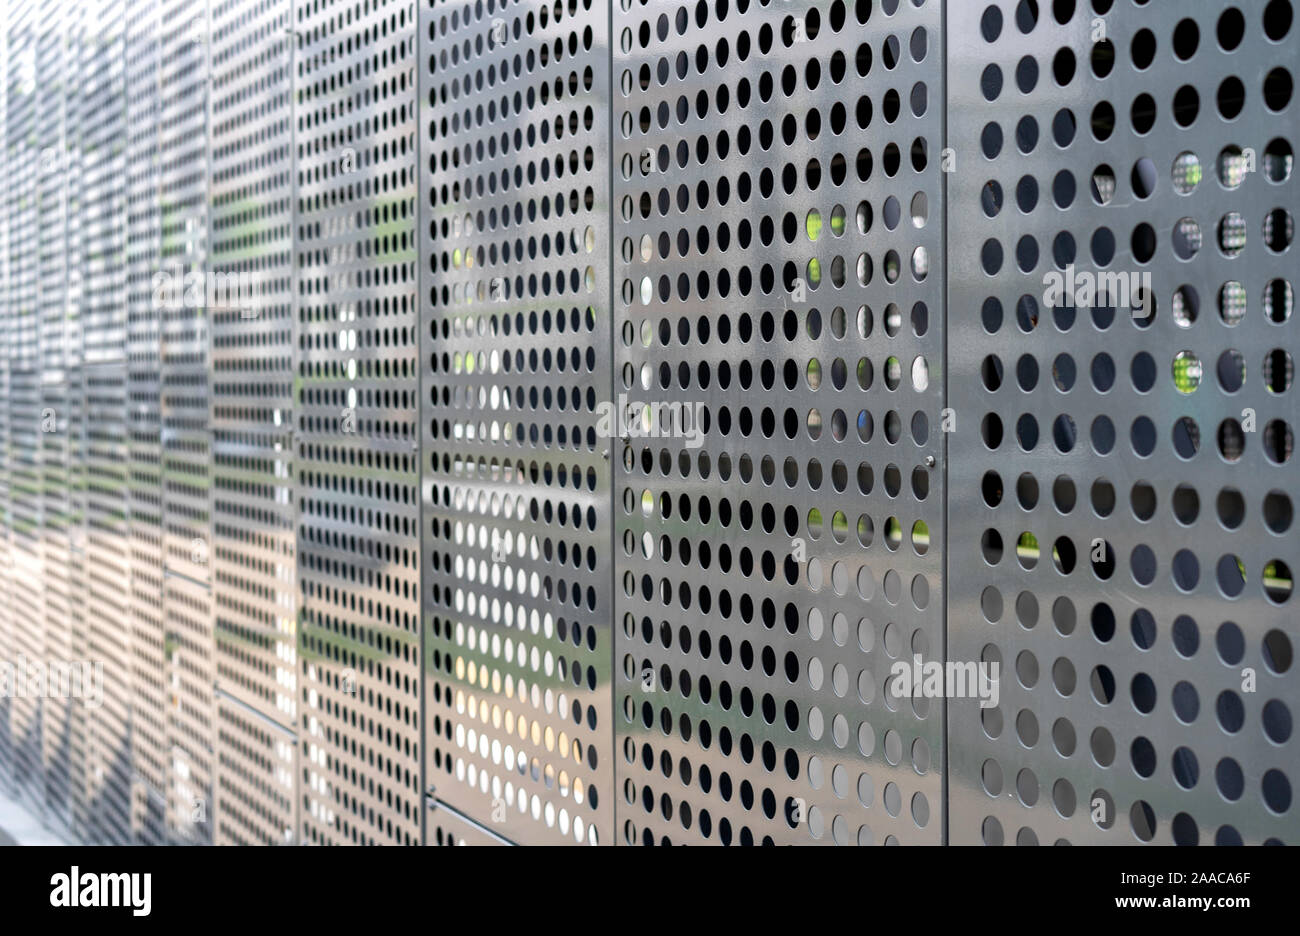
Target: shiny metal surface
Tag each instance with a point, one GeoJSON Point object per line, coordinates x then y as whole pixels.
{"type": "Point", "coordinates": [253, 559]}
{"type": "Point", "coordinates": [6, 317]}
{"type": "Point", "coordinates": [150, 762]}
{"type": "Point", "coordinates": [185, 384]}
{"type": "Point", "coordinates": [57, 309]}
{"type": "Point", "coordinates": [106, 595]}
{"type": "Point", "coordinates": [24, 507]}
{"type": "Point", "coordinates": [521, 422]}
{"type": "Point", "coordinates": [255, 767]}
{"type": "Point", "coordinates": [778, 268]}
{"type": "Point", "coordinates": [515, 341]}
{"type": "Point", "coordinates": [356, 439]}
{"type": "Point", "coordinates": [1098, 550]}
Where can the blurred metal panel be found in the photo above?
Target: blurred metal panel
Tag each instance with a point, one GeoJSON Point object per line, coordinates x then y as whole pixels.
{"type": "Point", "coordinates": [514, 181]}
{"type": "Point", "coordinates": [190, 711]}
{"type": "Point", "coordinates": [253, 559]}
{"type": "Point", "coordinates": [149, 708]}
{"type": "Point", "coordinates": [1122, 475]}
{"type": "Point", "coordinates": [254, 802]}
{"type": "Point", "coordinates": [183, 80]}
{"type": "Point", "coordinates": [79, 697]}
{"type": "Point", "coordinates": [58, 273]}
{"type": "Point", "coordinates": [355, 423]}
{"type": "Point", "coordinates": [7, 187]}
{"type": "Point", "coordinates": [778, 274]}
{"type": "Point", "coordinates": [25, 170]}
{"type": "Point", "coordinates": [105, 616]}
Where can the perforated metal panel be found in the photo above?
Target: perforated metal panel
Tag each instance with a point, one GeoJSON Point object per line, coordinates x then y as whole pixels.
{"type": "Point", "coordinates": [516, 371]}
{"type": "Point", "coordinates": [58, 308]}
{"type": "Point", "coordinates": [1121, 536]}
{"type": "Point", "coordinates": [106, 579]}
{"type": "Point", "coordinates": [149, 644]}
{"type": "Point", "coordinates": [531, 421]}
{"type": "Point", "coordinates": [356, 433]}
{"type": "Point", "coordinates": [256, 762]}
{"type": "Point", "coordinates": [23, 520]}
{"type": "Point", "coordinates": [183, 80]}
{"type": "Point", "coordinates": [778, 273]}
{"type": "Point", "coordinates": [6, 573]}
{"type": "Point", "coordinates": [253, 558]}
